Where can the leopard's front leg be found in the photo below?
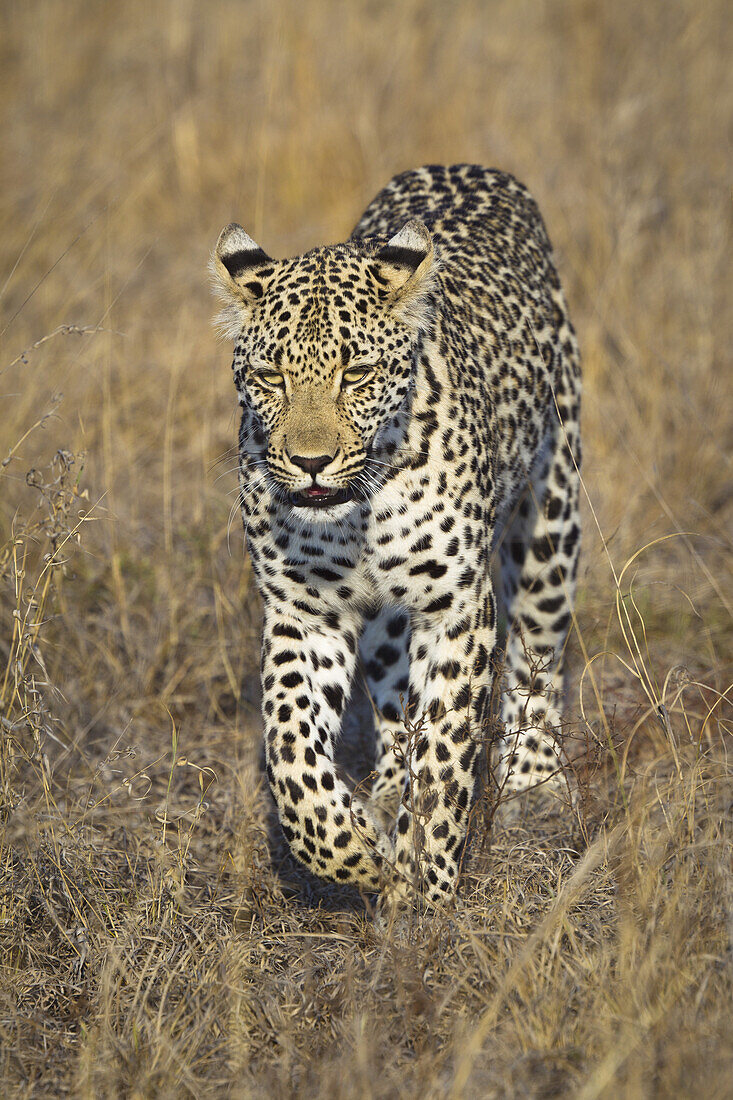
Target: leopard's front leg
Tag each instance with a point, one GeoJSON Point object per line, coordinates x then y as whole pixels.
{"type": "Point", "coordinates": [307, 669]}
{"type": "Point", "coordinates": [450, 677]}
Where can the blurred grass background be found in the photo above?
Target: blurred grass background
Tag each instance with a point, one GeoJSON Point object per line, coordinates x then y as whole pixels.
{"type": "Point", "coordinates": [153, 942]}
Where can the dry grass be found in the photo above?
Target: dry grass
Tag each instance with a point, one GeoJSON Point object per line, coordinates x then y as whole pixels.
{"type": "Point", "coordinates": [156, 938]}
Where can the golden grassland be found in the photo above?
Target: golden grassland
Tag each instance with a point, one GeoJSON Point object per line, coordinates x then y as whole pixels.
{"type": "Point", "coordinates": [156, 939]}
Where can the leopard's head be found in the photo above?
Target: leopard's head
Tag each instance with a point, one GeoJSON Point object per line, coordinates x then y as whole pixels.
{"type": "Point", "coordinates": [325, 348]}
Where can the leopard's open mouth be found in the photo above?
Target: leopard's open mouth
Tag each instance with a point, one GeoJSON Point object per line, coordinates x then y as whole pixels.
{"type": "Point", "coordinates": [320, 496]}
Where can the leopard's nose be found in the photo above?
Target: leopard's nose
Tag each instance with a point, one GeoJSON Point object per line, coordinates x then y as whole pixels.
{"type": "Point", "coordinates": [311, 466]}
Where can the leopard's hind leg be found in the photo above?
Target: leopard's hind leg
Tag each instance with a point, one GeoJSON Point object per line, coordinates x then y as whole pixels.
{"type": "Point", "coordinates": [384, 651]}
{"type": "Point", "coordinates": [539, 559]}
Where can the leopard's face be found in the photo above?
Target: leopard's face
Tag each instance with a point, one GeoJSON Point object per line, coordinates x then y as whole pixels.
{"type": "Point", "coordinates": [323, 362]}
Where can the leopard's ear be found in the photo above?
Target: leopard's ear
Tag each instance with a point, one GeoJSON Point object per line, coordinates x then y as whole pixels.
{"type": "Point", "coordinates": [407, 256]}
{"type": "Point", "coordinates": [406, 264]}
{"type": "Point", "coordinates": [241, 270]}
{"type": "Point", "coordinates": [238, 256]}
{"type": "Point", "coordinates": [239, 266]}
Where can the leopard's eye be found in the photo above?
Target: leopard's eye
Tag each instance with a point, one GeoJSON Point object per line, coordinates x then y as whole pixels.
{"type": "Point", "coordinates": [354, 376]}
{"type": "Point", "coordinates": [270, 378]}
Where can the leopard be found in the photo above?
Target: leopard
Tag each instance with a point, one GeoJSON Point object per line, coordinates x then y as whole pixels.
{"type": "Point", "coordinates": [408, 477]}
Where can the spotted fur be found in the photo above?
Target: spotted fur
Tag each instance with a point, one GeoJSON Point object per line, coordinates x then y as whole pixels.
{"type": "Point", "coordinates": [410, 407]}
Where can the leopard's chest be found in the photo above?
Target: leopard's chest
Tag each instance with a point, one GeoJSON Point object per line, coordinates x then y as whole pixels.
{"type": "Point", "coordinates": [426, 535]}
